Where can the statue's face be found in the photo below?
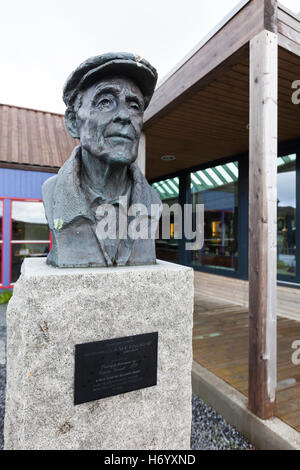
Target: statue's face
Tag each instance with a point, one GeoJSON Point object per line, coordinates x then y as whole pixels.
{"type": "Point", "coordinates": [110, 119]}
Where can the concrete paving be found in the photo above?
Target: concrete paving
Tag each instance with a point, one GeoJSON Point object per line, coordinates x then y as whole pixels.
{"type": "Point", "coordinates": [270, 434]}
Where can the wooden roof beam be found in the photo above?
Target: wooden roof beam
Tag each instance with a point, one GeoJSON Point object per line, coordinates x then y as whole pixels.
{"type": "Point", "coordinates": [288, 30]}
{"type": "Point", "coordinates": [253, 17]}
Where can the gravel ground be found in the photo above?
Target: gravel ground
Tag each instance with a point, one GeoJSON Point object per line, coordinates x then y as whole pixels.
{"type": "Point", "coordinates": [209, 430]}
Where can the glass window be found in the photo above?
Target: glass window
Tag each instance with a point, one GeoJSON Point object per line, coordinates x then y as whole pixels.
{"type": "Point", "coordinates": [1, 217]}
{"type": "Point", "coordinates": [30, 234]}
{"type": "Point", "coordinates": [1, 238]}
{"type": "Point", "coordinates": [217, 189]}
{"type": "Point", "coordinates": [286, 216]}
{"type": "Point", "coordinates": [167, 246]}
{"type": "Point", "coordinates": [20, 251]}
{"type": "Point", "coordinates": [29, 221]}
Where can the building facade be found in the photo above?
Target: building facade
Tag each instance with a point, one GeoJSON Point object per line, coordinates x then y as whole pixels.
{"type": "Point", "coordinates": [222, 187]}
{"type": "Point", "coordinates": [33, 146]}
{"type": "Point", "coordinates": [223, 130]}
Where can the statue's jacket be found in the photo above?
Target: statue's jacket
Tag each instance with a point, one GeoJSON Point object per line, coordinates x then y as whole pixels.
{"type": "Point", "coordinates": [75, 242]}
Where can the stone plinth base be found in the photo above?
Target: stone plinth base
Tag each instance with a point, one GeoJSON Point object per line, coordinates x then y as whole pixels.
{"type": "Point", "coordinates": [51, 311]}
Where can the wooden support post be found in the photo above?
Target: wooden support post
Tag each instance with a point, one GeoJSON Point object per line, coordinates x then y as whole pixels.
{"type": "Point", "coordinates": [184, 197]}
{"type": "Point", "coordinates": [263, 223]}
{"type": "Point", "coordinates": [141, 159]}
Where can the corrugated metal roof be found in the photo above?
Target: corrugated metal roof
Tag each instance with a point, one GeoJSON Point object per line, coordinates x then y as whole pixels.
{"type": "Point", "coordinates": [30, 137]}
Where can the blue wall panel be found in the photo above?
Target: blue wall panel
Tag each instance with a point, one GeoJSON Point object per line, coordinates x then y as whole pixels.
{"type": "Point", "coordinates": [21, 183]}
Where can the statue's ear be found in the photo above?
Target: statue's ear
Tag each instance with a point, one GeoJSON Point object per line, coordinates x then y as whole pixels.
{"type": "Point", "coordinates": [70, 120]}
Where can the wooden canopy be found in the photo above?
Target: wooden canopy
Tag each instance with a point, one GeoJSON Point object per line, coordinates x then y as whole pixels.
{"type": "Point", "coordinates": [200, 113]}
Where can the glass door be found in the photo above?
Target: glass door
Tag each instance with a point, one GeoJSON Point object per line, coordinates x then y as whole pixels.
{"type": "Point", "coordinates": [167, 245]}
{"type": "Point", "coordinates": [217, 189]}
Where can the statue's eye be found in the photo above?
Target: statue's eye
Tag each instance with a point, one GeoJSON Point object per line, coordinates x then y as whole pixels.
{"type": "Point", "coordinates": [105, 103]}
{"type": "Point", "coordinates": [134, 105]}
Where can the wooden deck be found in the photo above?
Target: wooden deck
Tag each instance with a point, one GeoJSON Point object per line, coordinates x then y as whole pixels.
{"type": "Point", "coordinates": [220, 343]}
{"type": "Point", "coordinates": [236, 291]}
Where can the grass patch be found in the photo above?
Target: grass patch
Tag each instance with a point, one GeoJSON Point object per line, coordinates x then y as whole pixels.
{"type": "Point", "coordinates": [5, 296]}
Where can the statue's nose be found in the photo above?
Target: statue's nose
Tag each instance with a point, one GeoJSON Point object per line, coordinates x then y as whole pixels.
{"type": "Point", "coordinates": [122, 115]}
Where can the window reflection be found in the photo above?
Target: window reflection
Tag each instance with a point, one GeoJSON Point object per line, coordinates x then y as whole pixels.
{"type": "Point", "coordinates": [286, 216]}
{"type": "Point", "coordinates": [24, 250]}
{"type": "Point", "coordinates": [1, 217]}
{"type": "Point", "coordinates": [217, 189]}
{"type": "Point", "coordinates": [30, 234]}
{"type": "Point", "coordinates": [1, 244]}
{"type": "Point", "coordinates": [29, 221]}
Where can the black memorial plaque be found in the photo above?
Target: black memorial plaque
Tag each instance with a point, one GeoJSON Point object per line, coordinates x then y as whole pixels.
{"type": "Point", "coordinates": [115, 366]}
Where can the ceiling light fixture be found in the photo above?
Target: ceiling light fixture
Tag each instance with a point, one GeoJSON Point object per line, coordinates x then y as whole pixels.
{"type": "Point", "coordinates": [168, 158]}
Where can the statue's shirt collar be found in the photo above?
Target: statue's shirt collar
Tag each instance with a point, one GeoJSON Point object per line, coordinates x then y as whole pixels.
{"type": "Point", "coordinates": [71, 202]}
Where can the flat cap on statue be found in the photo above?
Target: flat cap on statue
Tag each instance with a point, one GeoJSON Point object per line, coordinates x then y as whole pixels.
{"type": "Point", "coordinates": [101, 66]}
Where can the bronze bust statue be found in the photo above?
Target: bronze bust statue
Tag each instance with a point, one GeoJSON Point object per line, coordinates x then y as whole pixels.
{"type": "Point", "coordinates": [106, 97]}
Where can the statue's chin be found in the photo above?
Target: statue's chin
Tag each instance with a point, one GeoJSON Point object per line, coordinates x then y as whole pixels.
{"type": "Point", "coordinates": [119, 155]}
{"type": "Point", "coordinates": [118, 158]}
{"type": "Point", "coordinates": [122, 159]}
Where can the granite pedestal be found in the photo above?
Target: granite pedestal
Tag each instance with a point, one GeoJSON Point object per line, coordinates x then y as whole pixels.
{"type": "Point", "coordinates": [51, 311]}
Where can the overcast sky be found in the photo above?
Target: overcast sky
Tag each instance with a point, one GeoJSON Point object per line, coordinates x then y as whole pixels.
{"type": "Point", "coordinates": [42, 41]}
